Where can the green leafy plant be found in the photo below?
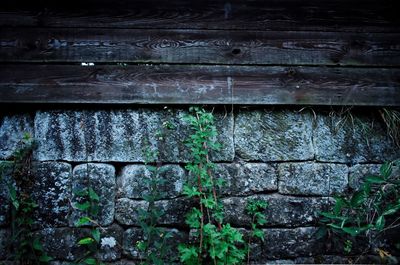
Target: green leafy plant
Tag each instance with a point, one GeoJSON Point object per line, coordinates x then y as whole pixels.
{"type": "Point", "coordinates": [88, 204]}
{"type": "Point", "coordinates": [369, 211]}
{"type": "Point", "coordinates": [25, 246]}
{"type": "Point", "coordinates": [215, 242]}
{"type": "Point", "coordinates": [255, 209]}
{"type": "Point", "coordinates": [154, 247]}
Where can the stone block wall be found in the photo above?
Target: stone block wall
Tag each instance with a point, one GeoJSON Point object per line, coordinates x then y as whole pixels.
{"type": "Point", "coordinates": [295, 160]}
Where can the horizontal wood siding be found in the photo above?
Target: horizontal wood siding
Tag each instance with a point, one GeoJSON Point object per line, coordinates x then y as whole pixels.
{"type": "Point", "coordinates": [199, 47]}
{"type": "Point", "coordinates": [181, 84]}
{"type": "Point", "coordinates": [361, 16]}
{"type": "Point", "coordinates": [193, 52]}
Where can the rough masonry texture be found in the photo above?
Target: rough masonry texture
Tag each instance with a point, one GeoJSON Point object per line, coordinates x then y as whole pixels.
{"type": "Point", "coordinates": [295, 160]}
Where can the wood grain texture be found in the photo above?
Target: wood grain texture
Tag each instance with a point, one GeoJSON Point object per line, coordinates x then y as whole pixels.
{"type": "Point", "coordinates": [255, 15]}
{"type": "Point", "coordinates": [199, 46]}
{"type": "Point", "coordinates": [179, 84]}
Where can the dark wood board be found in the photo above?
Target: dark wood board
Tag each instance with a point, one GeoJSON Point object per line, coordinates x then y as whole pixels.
{"type": "Point", "coordinates": [180, 84]}
{"type": "Point", "coordinates": [199, 46]}
{"type": "Point", "coordinates": [364, 16]}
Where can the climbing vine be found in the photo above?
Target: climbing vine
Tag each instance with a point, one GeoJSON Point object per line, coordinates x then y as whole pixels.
{"type": "Point", "coordinates": [89, 205]}
{"type": "Point", "coordinates": [24, 245]}
{"type": "Point", "coordinates": [154, 246]}
{"type": "Point", "coordinates": [216, 242]}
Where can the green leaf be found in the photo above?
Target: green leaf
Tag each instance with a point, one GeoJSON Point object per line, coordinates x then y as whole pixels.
{"type": "Point", "coordinates": [391, 209]}
{"type": "Point", "coordinates": [93, 195]}
{"type": "Point", "coordinates": [333, 216]}
{"type": "Point", "coordinates": [82, 206]}
{"type": "Point", "coordinates": [380, 223]}
{"type": "Point", "coordinates": [45, 258]}
{"type": "Point", "coordinates": [340, 203]}
{"type": "Point", "coordinates": [13, 196]}
{"type": "Point", "coordinates": [37, 245]}
{"type": "Point", "coordinates": [86, 241]}
{"type": "Point", "coordinates": [81, 193]}
{"type": "Point", "coordinates": [357, 199]}
{"type": "Point", "coordinates": [374, 179]}
{"type": "Point", "coordinates": [386, 170]}
{"type": "Point", "coordinates": [83, 221]}
{"type": "Point", "coordinates": [96, 235]}
{"type": "Point", "coordinates": [191, 191]}
{"type": "Point", "coordinates": [353, 231]}
{"type": "Point", "coordinates": [90, 261]}
{"type": "Point", "coordinates": [187, 254]}
{"type": "Point", "coordinates": [259, 234]}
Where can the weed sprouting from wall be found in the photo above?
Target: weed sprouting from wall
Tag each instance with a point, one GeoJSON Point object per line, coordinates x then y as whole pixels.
{"type": "Point", "coordinates": [367, 213]}
{"type": "Point", "coordinates": [24, 246]}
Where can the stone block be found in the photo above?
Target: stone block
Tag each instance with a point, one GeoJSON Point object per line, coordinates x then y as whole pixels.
{"type": "Point", "coordinates": [133, 182]}
{"type": "Point", "coordinates": [52, 192]}
{"type": "Point", "coordinates": [61, 243]}
{"type": "Point", "coordinates": [273, 135]}
{"type": "Point", "coordinates": [284, 211]}
{"type": "Point", "coordinates": [134, 235]}
{"type": "Point", "coordinates": [246, 179]}
{"type": "Point", "coordinates": [352, 140]}
{"type": "Point", "coordinates": [111, 243]}
{"type": "Point", "coordinates": [122, 135]}
{"type": "Point", "coordinates": [101, 178]}
{"type": "Point", "coordinates": [359, 172]}
{"type": "Point", "coordinates": [12, 130]}
{"type": "Point", "coordinates": [289, 243]}
{"type": "Point", "coordinates": [312, 178]}
{"type": "Point", "coordinates": [127, 211]}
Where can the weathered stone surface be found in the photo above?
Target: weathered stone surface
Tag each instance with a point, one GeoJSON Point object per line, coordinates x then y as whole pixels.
{"type": "Point", "coordinates": [174, 211]}
{"type": "Point", "coordinates": [111, 243]}
{"type": "Point", "coordinates": [133, 181]}
{"type": "Point", "coordinates": [127, 211]}
{"type": "Point", "coordinates": [52, 192]}
{"type": "Point", "coordinates": [359, 172]}
{"type": "Point", "coordinates": [273, 135]}
{"type": "Point", "coordinates": [282, 210]}
{"type": "Point", "coordinates": [331, 259]}
{"type": "Point", "coordinates": [134, 235]}
{"type": "Point", "coordinates": [273, 262]}
{"type": "Point", "coordinates": [312, 178]}
{"type": "Point", "coordinates": [352, 140]}
{"type": "Point", "coordinates": [289, 243]}
{"type": "Point", "coordinates": [100, 177]}
{"type": "Point", "coordinates": [12, 130]}
{"type": "Point", "coordinates": [61, 243]}
{"type": "Point", "coordinates": [4, 239]}
{"type": "Point", "coordinates": [60, 263]}
{"type": "Point", "coordinates": [121, 135]}
{"type": "Point", "coordinates": [245, 179]}
{"type": "Point", "coordinates": [5, 181]}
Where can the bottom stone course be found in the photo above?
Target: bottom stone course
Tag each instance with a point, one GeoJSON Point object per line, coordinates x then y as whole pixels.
{"type": "Point", "coordinates": [133, 235]}
{"type": "Point", "coordinates": [283, 243]}
{"type": "Point", "coordinates": [61, 243]}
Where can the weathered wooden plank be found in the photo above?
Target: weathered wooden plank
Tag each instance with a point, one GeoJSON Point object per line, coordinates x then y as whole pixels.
{"type": "Point", "coordinates": [199, 46]}
{"type": "Point", "coordinates": [177, 84]}
{"type": "Point", "coordinates": [255, 15]}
